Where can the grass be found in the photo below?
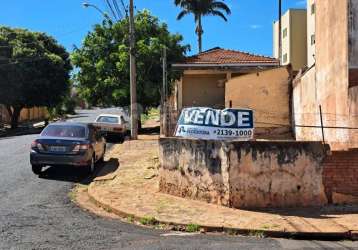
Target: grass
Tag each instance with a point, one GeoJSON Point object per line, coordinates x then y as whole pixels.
{"type": "Point", "coordinates": [152, 114]}
{"type": "Point", "coordinates": [130, 219]}
{"type": "Point", "coordinates": [257, 233]}
{"type": "Point", "coordinates": [192, 228]}
{"type": "Point", "coordinates": [148, 221]}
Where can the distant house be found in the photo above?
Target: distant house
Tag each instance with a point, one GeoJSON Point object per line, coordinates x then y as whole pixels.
{"type": "Point", "coordinates": [205, 75]}
{"type": "Point", "coordinates": [221, 78]}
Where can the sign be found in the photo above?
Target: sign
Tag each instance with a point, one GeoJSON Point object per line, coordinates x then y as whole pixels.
{"type": "Point", "coordinates": [213, 124]}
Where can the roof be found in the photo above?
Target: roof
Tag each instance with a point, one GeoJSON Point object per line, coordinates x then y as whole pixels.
{"type": "Point", "coordinates": [224, 57]}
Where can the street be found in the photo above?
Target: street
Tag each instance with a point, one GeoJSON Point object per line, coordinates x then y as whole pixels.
{"type": "Point", "coordinates": [37, 213]}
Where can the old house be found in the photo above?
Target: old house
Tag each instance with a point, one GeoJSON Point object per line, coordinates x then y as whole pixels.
{"type": "Point", "coordinates": [221, 78]}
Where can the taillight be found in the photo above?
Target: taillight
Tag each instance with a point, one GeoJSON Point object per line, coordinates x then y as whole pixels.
{"type": "Point", "coordinates": [117, 129]}
{"type": "Point", "coordinates": [81, 147]}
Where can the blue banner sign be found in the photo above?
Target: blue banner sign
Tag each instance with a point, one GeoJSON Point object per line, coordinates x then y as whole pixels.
{"type": "Point", "coordinates": [213, 124]}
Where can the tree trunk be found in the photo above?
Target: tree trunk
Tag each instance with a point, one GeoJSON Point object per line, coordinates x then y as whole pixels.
{"type": "Point", "coordinates": [200, 33]}
{"type": "Point", "coordinates": [15, 114]}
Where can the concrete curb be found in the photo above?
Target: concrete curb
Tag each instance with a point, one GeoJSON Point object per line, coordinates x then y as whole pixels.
{"type": "Point", "coordinates": [327, 236]}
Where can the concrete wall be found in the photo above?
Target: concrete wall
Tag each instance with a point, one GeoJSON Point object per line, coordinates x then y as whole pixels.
{"type": "Point", "coordinates": [203, 90]}
{"type": "Point", "coordinates": [268, 94]}
{"type": "Point", "coordinates": [327, 84]}
{"type": "Point", "coordinates": [294, 44]}
{"type": "Point", "coordinates": [243, 174]}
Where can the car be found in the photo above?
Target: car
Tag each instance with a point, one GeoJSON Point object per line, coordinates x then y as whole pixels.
{"type": "Point", "coordinates": [68, 143]}
{"type": "Point", "coordinates": [114, 126]}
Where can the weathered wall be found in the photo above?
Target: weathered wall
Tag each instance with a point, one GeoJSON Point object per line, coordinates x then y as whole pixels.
{"type": "Point", "coordinates": [203, 90]}
{"type": "Point", "coordinates": [353, 115]}
{"type": "Point", "coordinates": [197, 169]}
{"type": "Point", "coordinates": [268, 94]}
{"type": "Point", "coordinates": [243, 174]}
{"type": "Point", "coordinates": [353, 33]}
{"type": "Point", "coordinates": [327, 83]}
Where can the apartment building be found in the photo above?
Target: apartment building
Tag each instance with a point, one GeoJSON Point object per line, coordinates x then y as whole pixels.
{"type": "Point", "coordinates": [294, 38]}
{"type": "Point", "coordinates": [311, 32]}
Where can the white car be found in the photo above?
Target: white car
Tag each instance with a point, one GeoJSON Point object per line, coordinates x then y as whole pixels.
{"type": "Point", "coordinates": [115, 126]}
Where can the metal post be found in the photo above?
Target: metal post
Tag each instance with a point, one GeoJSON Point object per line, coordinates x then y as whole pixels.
{"type": "Point", "coordinates": [280, 30]}
{"type": "Point", "coordinates": [322, 128]}
{"type": "Point", "coordinates": [133, 84]}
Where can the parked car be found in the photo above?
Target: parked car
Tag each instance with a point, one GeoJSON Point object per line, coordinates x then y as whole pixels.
{"type": "Point", "coordinates": [115, 126]}
{"type": "Point", "coordinates": [67, 143]}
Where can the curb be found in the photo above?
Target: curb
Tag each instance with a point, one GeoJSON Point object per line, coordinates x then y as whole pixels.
{"type": "Point", "coordinates": [324, 236]}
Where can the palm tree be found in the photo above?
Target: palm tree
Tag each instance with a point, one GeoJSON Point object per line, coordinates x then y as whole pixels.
{"type": "Point", "coordinates": [200, 8]}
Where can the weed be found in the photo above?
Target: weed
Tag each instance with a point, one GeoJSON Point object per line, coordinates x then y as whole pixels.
{"type": "Point", "coordinates": [148, 220]}
{"type": "Point", "coordinates": [191, 228]}
{"type": "Point", "coordinates": [130, 218]}
{"type": "Point", "coordinates": [257, 233]}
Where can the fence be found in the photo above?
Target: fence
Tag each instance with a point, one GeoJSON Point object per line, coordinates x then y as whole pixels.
{"type": "Point", "coordinates": [31, 114]}
{"type": "Point", "coordinates": [338, 130]}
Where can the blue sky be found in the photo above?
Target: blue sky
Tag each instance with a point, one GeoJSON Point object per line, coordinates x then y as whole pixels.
{"type": "Point", "coordinates": [249, 27]}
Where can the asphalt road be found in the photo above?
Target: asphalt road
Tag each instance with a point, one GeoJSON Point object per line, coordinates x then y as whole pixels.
{"type": "Point", "coordinates": [36, 213]}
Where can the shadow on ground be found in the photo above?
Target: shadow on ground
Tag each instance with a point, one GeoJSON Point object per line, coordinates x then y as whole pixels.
{"type": "Point", "coordinates": [78, 174]}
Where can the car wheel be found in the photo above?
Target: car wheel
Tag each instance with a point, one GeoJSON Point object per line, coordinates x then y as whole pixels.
{"type": "Point", "coordinates": [37, 169]}
{"type": "Point", "coordinates": [91, 167]}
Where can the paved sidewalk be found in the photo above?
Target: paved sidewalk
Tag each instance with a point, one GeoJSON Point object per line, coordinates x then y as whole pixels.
{"type": "Point", "coordinates": [132, 191]}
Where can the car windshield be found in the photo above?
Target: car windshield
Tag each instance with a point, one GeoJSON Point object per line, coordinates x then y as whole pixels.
{"type": "Point", "coordinates": [108, 119]}
{"type": "Point", "coordinates": [69, 131]}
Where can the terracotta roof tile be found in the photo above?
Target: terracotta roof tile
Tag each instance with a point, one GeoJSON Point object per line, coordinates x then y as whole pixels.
{"type": "Point", "coordinates": [224, 56]}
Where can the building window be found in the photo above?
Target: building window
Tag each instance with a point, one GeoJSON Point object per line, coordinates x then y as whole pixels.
{"type": "Point", "coordinates": [284, 33]}
{"type": "Point", "coordinates": [284, 59]}
{"type": "Point", "coordinates": [313, 9]}
{"type": "Point", "coordinates": [313, 39]}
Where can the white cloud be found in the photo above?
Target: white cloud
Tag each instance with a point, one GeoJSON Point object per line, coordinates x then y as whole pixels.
{"type": "Point", "coordinates": [255, 26]}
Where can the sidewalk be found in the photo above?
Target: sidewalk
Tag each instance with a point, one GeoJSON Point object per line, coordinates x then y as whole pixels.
{"type": "Point", "coordinates": [132, 192]}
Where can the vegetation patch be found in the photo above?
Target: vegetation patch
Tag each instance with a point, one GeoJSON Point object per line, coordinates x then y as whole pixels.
{"type": "Point", "coordinates": [191, 228]}
{"type": "Point", "coordinates": [148, 221]}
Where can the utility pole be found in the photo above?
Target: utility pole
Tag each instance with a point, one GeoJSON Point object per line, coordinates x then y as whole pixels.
{"type": "Point", "coordinates": [133, 74]}
{"type": "Point", "coordinates": [280, 30]}
{"type": "Point", "coordinates": [164, 94]}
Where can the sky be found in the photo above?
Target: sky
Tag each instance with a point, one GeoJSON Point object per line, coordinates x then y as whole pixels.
{"type": "Point", "coordinates": [249, 27]}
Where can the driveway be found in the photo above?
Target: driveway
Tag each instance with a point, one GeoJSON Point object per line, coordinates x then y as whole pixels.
{"type": "Point", "coordinates": [36, 213]}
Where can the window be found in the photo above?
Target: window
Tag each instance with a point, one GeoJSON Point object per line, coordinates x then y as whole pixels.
{"type": "Point", "coordinates": [313, 9]}
{"type": "Point", "coordinates": [284, 33]}
{"type": "Point", "coordinates": [313, 39]}
{"type": "Point", "coordinates": [284, 59]}
{"type": "Point", "coordinates": [108, 119]}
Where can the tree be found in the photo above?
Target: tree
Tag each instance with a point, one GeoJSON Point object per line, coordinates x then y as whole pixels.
{"type": "Point", "coordinates": [34, 71]}
{"type": "Point", "coordinates": [103, 61]}
{"type": "Point", "coordinates": [200, 8]}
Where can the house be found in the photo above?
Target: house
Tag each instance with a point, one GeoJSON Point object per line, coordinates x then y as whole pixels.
{"type": "Point", "coordinates": [221, 78]}
{"type": "Point", "coordinates": [331, 80]}
{"type": "Point", "coordinates": [205, 75]}
{"type": "Point", "coordinates": [293, 37]}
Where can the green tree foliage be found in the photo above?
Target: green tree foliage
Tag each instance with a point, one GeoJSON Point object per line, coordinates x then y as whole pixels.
{"type": "Point", "coordinates": [200, 8]}
{"type": "Point", "coordinates": [34, 71]}
{"type": "Point", "coordinates": [103, 61]}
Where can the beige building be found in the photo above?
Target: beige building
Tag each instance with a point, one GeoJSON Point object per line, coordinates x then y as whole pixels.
{"type": "Point", "coordinates": [311, 32]}
{"type": "Point", "coordinates": [332, 82]}
{"type": "Point", "coordinates": [205, 75]}
{"type": "Point", "coordinates": [294, 39]}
